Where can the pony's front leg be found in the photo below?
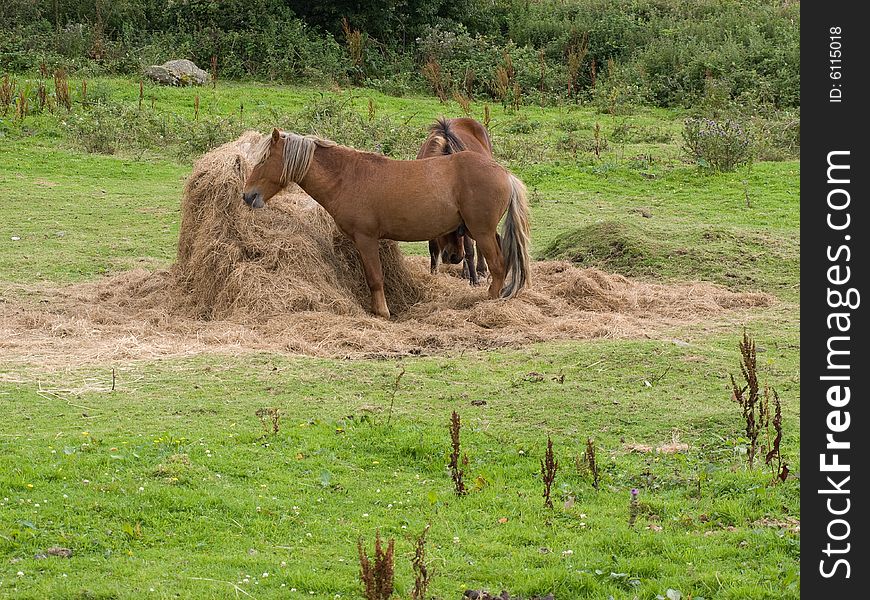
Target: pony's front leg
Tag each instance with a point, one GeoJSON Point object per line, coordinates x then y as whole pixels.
{"type": "Point", "coordinates": [433, 256]}
{"type": "Point", "coordinates": [369, 253]}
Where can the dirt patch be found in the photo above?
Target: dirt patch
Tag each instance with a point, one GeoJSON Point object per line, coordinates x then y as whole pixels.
{"type": "Point", "coordinates": [790, 524]}
{"type": "Point", "coordinates": [285, 278]}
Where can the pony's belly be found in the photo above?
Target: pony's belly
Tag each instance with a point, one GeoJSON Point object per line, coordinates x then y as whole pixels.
{"type": "Point", "coordinates": [424, 222]}
{"type": "Point", "coordinates": [419, 234]}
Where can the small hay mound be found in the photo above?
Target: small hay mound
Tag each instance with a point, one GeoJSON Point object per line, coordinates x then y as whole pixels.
{"type": "Point", "coordinates": [285, 278]}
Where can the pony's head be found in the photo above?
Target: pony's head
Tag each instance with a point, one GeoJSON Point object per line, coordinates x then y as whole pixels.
{"type": "Point", "coordinates": [452, 248]}
{"type": "Point", "coordinates": [279, 159]}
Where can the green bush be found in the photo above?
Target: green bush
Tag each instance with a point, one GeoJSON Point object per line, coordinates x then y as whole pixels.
{"type": "Point", "coordinates": [776, 136]}
{"type": "Point", "coordinates": [101, 130]}
{"type": "Point", "coordinates": [774, 133]}
{"type": "Point", "coordinates": [716, 145]}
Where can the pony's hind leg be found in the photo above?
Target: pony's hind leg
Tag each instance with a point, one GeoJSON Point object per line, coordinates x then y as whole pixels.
{"type": "Point", "coordinates": [489, 246]}
{"type": "Point", "coordinates": [369, 253]}
{"type": "Point", "coordinates": [434, 253]}
{"type": "Point", "coordinates": [481, 262]}
{"type": "Point", "coordinates": [469, 269]}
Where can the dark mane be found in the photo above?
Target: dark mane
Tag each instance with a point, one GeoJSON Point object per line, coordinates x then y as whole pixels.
{"type": "Point", "coordinates": [452, 143]}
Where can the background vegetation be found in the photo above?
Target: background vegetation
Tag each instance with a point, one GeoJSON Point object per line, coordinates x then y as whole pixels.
{"type": "Point", "coordinates": [654, 51]}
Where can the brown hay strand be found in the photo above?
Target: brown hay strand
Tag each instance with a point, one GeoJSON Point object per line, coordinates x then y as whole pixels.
{"type": "Point", "coordinates": [285, 278]}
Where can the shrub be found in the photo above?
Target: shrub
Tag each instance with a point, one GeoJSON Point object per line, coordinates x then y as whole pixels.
{"type": "Point", "coordinates": [775, 136]}
{"type": "Point", "coordinates": [479, 65]}
{"type": "Point", "coordinates": [99, 130]}
{"type": "Point", "coordinates": [716, 145]}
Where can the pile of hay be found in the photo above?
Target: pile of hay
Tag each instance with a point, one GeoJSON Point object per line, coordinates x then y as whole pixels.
{"type": "Point", "coordinates": [235, 263]}
{"type": "Point", "coordinates": [284, 278]}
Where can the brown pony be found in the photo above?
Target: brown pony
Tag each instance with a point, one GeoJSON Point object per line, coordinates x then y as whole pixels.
{"type": "Point", "coordinates": [448, 136]}
{"type": "Point", "coordinates": [372, 197]}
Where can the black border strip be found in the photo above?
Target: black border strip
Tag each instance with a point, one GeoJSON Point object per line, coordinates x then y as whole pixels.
{"type": "Point", "coordinates": [835, 113]}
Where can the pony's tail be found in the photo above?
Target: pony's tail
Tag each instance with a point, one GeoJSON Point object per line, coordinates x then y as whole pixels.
{"type": "Point", "coordinates": [515, 240]}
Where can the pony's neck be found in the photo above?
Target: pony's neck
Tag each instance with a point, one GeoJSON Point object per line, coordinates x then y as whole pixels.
{"type": "Point", "coordinates": [325, 176]}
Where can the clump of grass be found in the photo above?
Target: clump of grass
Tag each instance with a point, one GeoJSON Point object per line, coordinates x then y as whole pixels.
{"type": "Point", "coordinates": [773, 458]}
{"type": "Point", "coordinates": [395, 389]}
{"type": "Point", "coordinates": [174, 470]}
{"type": "Point", "coordinates": [433, 75]}
{"type": "Point", "coordinates": [468, 81]}
{"type": "Point", "coordinates": [214, 76]}
{"type": "Point", "coordinates": [463, 101]}
{"type": "Point", "coordinates": [620, 247]}
{"type": "Point", "coordinates": [7, 92]}
{"type": "Point", "coordinates": [22, 105]}
{"type": "Point", "coordinates": [61, 90]}
{"type": "Point", "coordinates": [422, 573]}
{"type": "Point", "coordinates": [355, 49]}
{"type": "Point", "coordinates": [588, 463]}
{"type": "Point", "coordinates": [549, 466]}
{"type": "Point", "coordinates": [269, 419]}
{"type": "Point", "coordinates": [41, 96]}
{"type": "Point", "coordinates": [504, 82]}
{"type": "Point", "coordinates": [756, 412]}
{"type": "Point", "coordinates": [500, 84]}
{"type": "Point", "coordinates": [596, 136]}
{"type": "Point", "coordinates": [516, 96]}
{"type": "Point", "coordinates": [456, 472]}
{"type": "Point", "coordinates": [633, 508]}
{"type": "Point", "coordinates": [576, 55]}
{"type": "Point", "coordinates": [377, 575]}
{"type": "Point", "coordinates": [753, 405]}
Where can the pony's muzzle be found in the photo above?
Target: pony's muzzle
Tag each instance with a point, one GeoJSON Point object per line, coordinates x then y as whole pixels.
{"type": "Point", "coordinates": [253, 199]}
{"type": "Point", "coordinates": [451, 258]}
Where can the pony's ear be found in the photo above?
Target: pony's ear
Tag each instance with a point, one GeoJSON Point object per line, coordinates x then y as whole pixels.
{"type": "Point", "coordinates": [276, 135]}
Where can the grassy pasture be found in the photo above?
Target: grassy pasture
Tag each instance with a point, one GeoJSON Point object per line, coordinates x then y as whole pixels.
{"type": "Point", "coordinates": [169, 485]}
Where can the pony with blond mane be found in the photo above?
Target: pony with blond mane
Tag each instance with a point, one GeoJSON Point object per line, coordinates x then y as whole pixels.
{"type": "Point", "coordinates": [372, 197]}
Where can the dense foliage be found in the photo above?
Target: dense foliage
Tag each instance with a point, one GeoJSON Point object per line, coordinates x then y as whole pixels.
{"type": "Point", "coordinates": [662, 52]}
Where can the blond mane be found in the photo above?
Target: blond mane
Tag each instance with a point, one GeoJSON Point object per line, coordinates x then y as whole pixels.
{"type": "Point", "coordinates": [297, 155]}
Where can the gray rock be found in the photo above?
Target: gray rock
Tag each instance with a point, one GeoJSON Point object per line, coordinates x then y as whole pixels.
{"type": "Point", "coordinates": [177, 72]}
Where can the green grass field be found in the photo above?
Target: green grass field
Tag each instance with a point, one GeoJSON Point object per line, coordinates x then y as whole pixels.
{"type": "Point", "coordinates": [169, 485]}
